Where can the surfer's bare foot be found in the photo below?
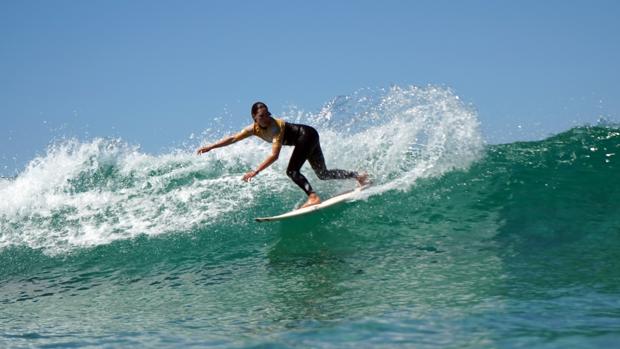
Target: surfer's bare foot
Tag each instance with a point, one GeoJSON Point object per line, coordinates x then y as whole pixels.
{"type": "Point", "coordinates": [362, 179]}
{"type": "Point", "coordinates": [313, 199]}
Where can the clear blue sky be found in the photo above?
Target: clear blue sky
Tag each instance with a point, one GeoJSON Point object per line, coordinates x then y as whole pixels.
{"type": "Point", "coordinates": [153, 72]}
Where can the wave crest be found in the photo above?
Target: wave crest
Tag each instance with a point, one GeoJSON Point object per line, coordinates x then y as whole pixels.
{"type": "Point", "coordinates": [82, 194]}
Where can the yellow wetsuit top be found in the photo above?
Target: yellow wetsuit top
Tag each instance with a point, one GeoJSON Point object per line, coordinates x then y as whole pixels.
{"type": "Point", "coordinates": [273, 134]}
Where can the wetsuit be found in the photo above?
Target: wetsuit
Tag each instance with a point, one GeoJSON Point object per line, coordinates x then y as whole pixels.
{"type": "Point", "coordinates": [307, 147]}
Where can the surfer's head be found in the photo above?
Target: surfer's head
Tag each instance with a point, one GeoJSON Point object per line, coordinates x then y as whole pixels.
{"type": "Point", "coordinates": [261, 114]}
{"type": "Point", "coordinates": [259, 107]}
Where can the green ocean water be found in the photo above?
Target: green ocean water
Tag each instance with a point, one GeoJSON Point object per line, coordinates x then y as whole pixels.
{"type": "Point", "coordinates": [518, 247]}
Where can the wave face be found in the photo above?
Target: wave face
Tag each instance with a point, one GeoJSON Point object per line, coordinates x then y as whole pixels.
{"type": "Point", "coordinates": [457, 243]}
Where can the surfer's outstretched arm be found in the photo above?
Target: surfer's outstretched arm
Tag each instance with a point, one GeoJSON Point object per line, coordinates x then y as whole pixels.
{"type": "Point", "coordinates": [275, 153]}
{"type": "Point", "coordinates": [222, 143]}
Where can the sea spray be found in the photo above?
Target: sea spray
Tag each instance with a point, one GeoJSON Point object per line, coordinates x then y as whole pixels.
{"type": "Point", "coordinates": [84, 194]}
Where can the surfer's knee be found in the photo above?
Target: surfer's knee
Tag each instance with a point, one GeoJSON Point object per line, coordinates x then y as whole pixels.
{"type": "Point", "coordinates": [322, 174]}
{"type": "Point", "coordinates": [292, 173]}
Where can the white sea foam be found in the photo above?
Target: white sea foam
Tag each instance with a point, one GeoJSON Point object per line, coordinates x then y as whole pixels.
{"type": "Point", "coordinates": [399, 134]}
{"type": "Point", "coordinates": [82, 194]}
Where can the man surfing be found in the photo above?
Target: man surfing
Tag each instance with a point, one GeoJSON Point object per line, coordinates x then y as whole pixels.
{"type": "Point", "coordinates": [304, 138]}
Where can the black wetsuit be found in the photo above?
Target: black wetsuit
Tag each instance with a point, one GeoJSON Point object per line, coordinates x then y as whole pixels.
{"type": "Point", "coordinates": [307, 147]}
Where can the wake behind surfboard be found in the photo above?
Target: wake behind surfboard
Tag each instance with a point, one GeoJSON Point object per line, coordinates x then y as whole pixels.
{"type": "Point", "coordinates": [346, 196]}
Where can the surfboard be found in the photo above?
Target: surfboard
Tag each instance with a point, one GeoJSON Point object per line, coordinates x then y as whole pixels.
{"type": "Point", "coordinates": [342, 197]}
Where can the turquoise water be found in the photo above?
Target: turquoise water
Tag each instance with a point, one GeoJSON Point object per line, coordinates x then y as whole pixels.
{"type": "Point", "coordinates": [458, 243]}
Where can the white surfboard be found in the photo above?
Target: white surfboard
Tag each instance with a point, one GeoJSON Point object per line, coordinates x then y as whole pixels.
{"type": "Point", "coordinates": [346, 196]}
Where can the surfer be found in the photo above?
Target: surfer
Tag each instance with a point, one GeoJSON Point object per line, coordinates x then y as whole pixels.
{"type": "Point", "coordinates": [304, 138]}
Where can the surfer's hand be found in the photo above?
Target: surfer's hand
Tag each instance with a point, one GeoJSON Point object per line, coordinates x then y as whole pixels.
{"type": "Point", "coordinates": [249, 175]}
{"type": "Point", "coordinates": [203, 150]}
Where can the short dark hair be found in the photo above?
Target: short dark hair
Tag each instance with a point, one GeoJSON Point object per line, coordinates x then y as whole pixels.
{"type": "Point", "coordinates": [257, 105]}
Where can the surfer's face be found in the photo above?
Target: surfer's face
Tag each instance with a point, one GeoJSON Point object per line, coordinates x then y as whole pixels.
{"type": "Point", "coordinates": [262, 117]}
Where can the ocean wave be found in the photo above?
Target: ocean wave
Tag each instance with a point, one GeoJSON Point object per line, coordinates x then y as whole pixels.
{"type": "Point", "coordinates": [86, 194]}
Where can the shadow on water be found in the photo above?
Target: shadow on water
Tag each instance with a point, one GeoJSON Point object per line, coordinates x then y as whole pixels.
{"type": "Point", "coordinates": [325, 231]}
{"type": "Point", "coordinates": [310, 266]}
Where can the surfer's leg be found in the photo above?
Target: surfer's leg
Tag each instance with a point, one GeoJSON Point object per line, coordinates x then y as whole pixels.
{"type": "Point", "coordinates": [317, 161]}
{"type": "Point", "coordinates": [306, 142]}
{"type": "Point", "coordinates": [294, 166]}
{"type": "Point", "coordinates": [297, 160]}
